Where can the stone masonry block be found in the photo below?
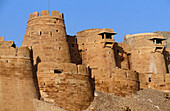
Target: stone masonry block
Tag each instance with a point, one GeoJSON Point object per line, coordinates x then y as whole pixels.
{"type": "Point", "coordinates": [55, 13]}
{"type": "Point", "coordinates": [1, 38]}
{"type": "Point", "coordinates": [45, 13]}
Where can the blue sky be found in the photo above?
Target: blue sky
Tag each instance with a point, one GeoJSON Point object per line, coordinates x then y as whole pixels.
{"type": "Point", "coordinates": [123, 16]}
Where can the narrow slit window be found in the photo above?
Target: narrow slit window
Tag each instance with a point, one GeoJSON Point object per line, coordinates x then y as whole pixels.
{"type": "Point", "coordinates": [40, 33]}
{"type": "Point", "coordinates": [149, 79]}
{"type": "Point", "coordinates": [51, 34]}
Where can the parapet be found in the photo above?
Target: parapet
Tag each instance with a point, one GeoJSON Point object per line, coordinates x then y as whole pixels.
{"type": "Point", "coordinates": [142, 34]}
{"type": "Point", "coordinates": [45, 13]}
{"type": "Point", "coordinates": [6, 44]}
{"type": "Point", "coordinates": [8, 49]}
{"type": "Point", "coordinates": [23, 52]}
{"type": "Point", "coordinates": [70, 68]}
{"type": "Point", "coordinates": [1, 38]}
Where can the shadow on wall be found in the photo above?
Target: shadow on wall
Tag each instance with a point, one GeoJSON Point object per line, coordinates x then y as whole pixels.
{"type": "Point", "coordinates": [92, 80]}
{"type": "Point", "coordinates": [75, 54]}
{"type": "Point", "coordinates": [118, 51]}
{"type": "Point", "coordinates": [167, 60]}
{"type": "Point", "coordinates": [34, 72]}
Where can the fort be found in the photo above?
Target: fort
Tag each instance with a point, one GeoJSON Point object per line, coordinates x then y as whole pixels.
{"type": "Point", "coordinates": [57, 70]}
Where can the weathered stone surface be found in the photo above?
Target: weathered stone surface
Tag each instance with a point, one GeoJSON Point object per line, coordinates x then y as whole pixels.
{"type": "Point", "coordinates": [98, 52]}
{"type": "Point", "coordinates": [64, 86]}
{"type": "Point", "coordinates": [43, 106]}
{"type": "Point", "coordinates": [17, 88]}
{"type": "Point", "coordinates": [63, 71]}
{"type": "Point", "coordinates": [60, 82]}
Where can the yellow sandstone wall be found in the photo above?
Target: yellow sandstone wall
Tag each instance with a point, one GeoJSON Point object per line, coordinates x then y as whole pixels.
{"type": "Point", "coordinates": [144, 57]}
{"type": "Point", "coordinates": [120, 82]}
{"type": "Point", "coordinates": [99, 55]}
{"type": "Point", "coordinates": [46, 36]}
{"type": "Point", "coordinates": [17, 88]}
{"type": "Point", "coordinates": [60, 81]}
{"type": "Point", "coordinates": [149, 60]}
{"type": "Point", "coordinates": [73, 48]}
{"type": "Point", "coordinates": [94, 52]}
{"type": "Point", "coordinates": [71, 89]}
{"type": "Point", "coordinates": [157, 81]}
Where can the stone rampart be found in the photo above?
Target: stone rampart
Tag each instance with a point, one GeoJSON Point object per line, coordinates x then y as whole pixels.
{"type": "Point", "coordinates": [66, 85]}
{"type": "Point", "coordinates": [155, 81]}
{"type": "Point", "coordinates": [120, 82]}
{"type": "Point", "coordinates": [17, 87]}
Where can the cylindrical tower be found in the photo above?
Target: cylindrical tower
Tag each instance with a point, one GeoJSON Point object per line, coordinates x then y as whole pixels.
{"type": "Point", "coordinates": [46, 35]}
{"type": "Point", "coordinates": [147, 53]}
{"type": "Point", "coordinates": [96, 46]}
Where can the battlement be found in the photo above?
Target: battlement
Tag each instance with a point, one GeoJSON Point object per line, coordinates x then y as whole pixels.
{"type": "Point", "coordinates": [21, 52]}
{"type": "Point", "coordinates": [1, 38]}
{"type": "Point", "coordinates": [45, 13]}
{"type": "Point", "coordinates": [62, 68]}
{"type": "Point", "coordinates": [143, 35]}
{"type": "Point", "coordinates": [155, 81]}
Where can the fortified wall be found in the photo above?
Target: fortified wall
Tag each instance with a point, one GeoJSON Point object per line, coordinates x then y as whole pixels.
{"type": "Point", "coordinates": [67, 85]}
{"type": "Point", "coordinates": [64, 70]}
{"type": "Point", "coordinates": [97, 51]}
{"type": "Point", "coordinates": [61, 81]}
{"type": "Point", "coordinates": [17, 88]}
{"type": "Point", "coordinates": [148, 58]}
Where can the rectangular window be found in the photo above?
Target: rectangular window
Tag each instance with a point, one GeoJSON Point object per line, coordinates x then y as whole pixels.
{"type": "Point", "coordinates": [58, 71]}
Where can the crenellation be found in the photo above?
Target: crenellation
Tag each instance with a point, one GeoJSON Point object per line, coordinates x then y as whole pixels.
{"type": "Point", "coordinates": [30, 16]}
{"type": "Point", "coordinates": [61, 15]}
{"type": "Point", "coordinates": [1, 38]}
{"type": "Point", "coordinates": [35, 14]}
{"type": "Point", "coordinates": [44, 13]}
{"type": "Point", "coordinates": [55, 13]}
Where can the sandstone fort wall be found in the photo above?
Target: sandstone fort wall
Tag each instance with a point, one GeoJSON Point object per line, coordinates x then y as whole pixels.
{"type": "Point", "coordinates": [98, 53]}
{"type": "Point", "coordinates": [67, 85]}
{"type": "Point", "coordinates": [46, 35]}
{"type": "Point", "coordinates": [17, 88]}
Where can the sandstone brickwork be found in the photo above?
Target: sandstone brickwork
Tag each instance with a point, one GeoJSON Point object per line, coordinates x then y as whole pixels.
{"type": "Point", "coordinates": [17, 88]}
{"type": "Point", "coordinates": [69, 88]}
{"type": "Point", "coordinates": [97, 50]}
{"type": "Point", "coordinates": [53, 71]}
{"type": "Point", "coordinates": [46, 36]}
{"type": "Point", "coordinates": [73, 48]}
{"type": "Point", "coordinates": [55, 55]}
{"type": "Point", "coordinates": [149, 58]}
